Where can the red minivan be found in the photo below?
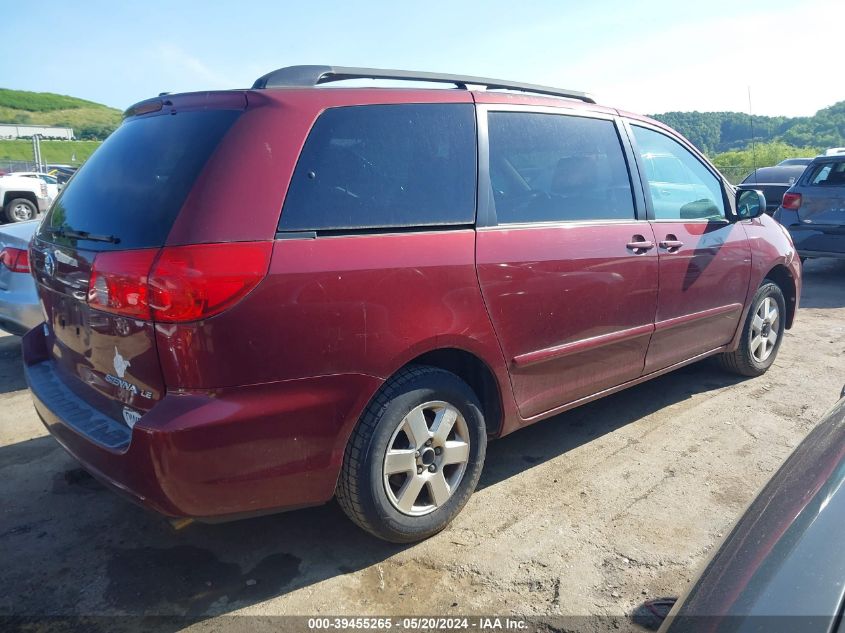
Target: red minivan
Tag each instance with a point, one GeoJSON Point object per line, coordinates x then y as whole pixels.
{"type": "Point", "coordinates": [261, 299]}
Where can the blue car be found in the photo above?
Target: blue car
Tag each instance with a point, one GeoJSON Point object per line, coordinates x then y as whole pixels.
{"type": "Point", "coordinates": [813, 209]}
{"type": "Point", "coordinates": [19, 307]}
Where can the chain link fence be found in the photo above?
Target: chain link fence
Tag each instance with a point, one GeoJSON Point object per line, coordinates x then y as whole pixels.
{"type": "Point", "coordinates": [9, 166]}
{"type": "Point", "coordinates": [736, 173]}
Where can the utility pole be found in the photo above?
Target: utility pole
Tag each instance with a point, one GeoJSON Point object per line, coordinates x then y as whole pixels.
{"type": "Point", "coordinates": [36, 151]}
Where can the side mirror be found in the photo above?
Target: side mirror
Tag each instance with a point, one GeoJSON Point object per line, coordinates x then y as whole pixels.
{"type": "Point", "coordinates": [750, 203]}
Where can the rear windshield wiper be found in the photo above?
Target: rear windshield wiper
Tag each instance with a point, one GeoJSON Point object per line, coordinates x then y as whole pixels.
{"type": "Point", "coordinates": [83, 235]}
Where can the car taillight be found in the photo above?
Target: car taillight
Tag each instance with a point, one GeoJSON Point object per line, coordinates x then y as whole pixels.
{"type": "Point", "coordinates": [119, 282]}
{"type": "Point", "coordinates": [791, 201]}
{"type": "Point", "coordinates": [15, 259]}
{"type": "Point", "coordinates": [177, 283]}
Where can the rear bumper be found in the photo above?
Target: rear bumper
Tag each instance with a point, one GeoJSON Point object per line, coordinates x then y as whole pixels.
{"type": "Point", "coordinates": [210, 455]}
{"type": "Point", "coordinates": [813, 240]}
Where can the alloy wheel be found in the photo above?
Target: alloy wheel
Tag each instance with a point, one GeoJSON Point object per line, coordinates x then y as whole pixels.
{"type": "Point", "coordinates": [426, 458]}
{"type": "Point", "coordinates": [765, 329]}
{"type": "Point", "coordinates": [22, 212]}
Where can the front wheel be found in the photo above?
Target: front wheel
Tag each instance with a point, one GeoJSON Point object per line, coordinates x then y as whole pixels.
{"type": "Point", "coordinates": [415, 457]}
{"type": "Point", "coordinates": [21, 210]}
{"type": "Point", "coordinates": [762, 334]}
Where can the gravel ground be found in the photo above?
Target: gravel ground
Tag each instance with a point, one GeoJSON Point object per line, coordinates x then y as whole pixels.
{"type": "Point", "coordinates": [589, 513]}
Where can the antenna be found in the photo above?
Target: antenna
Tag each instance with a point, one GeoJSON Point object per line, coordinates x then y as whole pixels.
{"type": "Point", "coordinates": [753, 146]}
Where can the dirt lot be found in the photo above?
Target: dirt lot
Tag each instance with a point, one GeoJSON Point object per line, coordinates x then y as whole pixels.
{"type": "Point", "coordinates": [591, 512]}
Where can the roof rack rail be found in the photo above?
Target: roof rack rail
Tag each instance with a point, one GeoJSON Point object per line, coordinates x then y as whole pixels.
{"type": "Point", "coordinates": [309, 76]}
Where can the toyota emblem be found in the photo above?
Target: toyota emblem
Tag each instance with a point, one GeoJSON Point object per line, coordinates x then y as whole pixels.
{"type": "Point", "coordinates": [49, 264]}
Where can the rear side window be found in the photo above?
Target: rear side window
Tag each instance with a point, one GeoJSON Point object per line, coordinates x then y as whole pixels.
{"type": "Point", "coordinates": [134, 185]}
{"type": "Point", "coordinates": [828, 174]}
{"type": "Point", "coordinates": [383, 166]}
{"type": "Point", "coordinates": [553, 168]}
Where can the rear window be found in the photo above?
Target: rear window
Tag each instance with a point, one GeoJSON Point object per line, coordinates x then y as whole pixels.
{"type": "Point", "coordinates": [775, 175]}
{"type": "Point", "coordinates": [828, 173]}
{"type": "Point", "coordinates": [134, 185]}
{"type": "Point", "coordinates": [382, 166]}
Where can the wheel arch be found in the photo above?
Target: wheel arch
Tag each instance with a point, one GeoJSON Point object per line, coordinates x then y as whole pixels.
{"type": "Point", "coordinates": [476, 373]}
{"type": "Point", "coordinates": [11, 195]}
{"type": "Point", "coordinates": [781, 276]}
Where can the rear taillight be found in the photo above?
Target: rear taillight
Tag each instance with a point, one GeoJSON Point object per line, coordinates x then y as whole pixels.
{"type": "Point", "coordinates": [177, 283]}
{"type": "Point", "coordinates": [791, 201]}
{"type": "Point", "coordinates": [15, 259]}
{"type": "Point", "coordinates": [119, 282]}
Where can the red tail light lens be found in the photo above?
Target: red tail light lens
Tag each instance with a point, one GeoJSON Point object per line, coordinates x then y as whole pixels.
{"type": "Point", "coordinates": [193, 282]}
{"type": "Point", "coordinates": [177, 283]}
{"type": "Point", "coordinates": [15, 259]}
{"type": "Point", "coordinates": [119, 283]}
{"type": "Point", "coordinates": [791, 201]}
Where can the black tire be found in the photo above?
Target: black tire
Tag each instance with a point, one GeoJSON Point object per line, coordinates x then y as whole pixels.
{"type": "Point", "coordinates": [361, 489]}
{"type": "Point", "coordinates": [742, 361]}
{"type": "Point", "coordinates": [13, 212]}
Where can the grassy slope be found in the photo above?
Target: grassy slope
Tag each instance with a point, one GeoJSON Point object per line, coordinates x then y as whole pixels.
{"type": "Point", "coordinates": [52, 151]}
{"type": "Point", "coordinates": [45, 108]}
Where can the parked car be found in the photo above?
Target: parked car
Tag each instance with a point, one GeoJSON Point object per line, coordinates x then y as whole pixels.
{"type": "Point", "coordinates": [22, 198]}
{"type": "Point", "coordinates": [835, 151]}
{"type": "Point", "coordinates": [773, 182]}
{"type": "Point", "coordinates": [51, 181]}
{"type": "Point", "coordinates": [795, 161]}
{"type": "Point", "coordinates": [19, 307]}
{"type": "Point", "coordinates": [307, 292]}
{"type": "Point", "coordinates": [782, 567]}
{"type": "Point", "coordinates": [813, 209]}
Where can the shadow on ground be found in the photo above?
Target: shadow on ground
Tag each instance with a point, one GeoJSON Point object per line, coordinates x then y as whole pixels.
{"type": "Point", "coordinates": [824, 284]}
{"type": "Point", "coordinates": [11, 374]}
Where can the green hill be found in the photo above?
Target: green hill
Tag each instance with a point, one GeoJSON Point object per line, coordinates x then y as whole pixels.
{"type": "Point", "coordinates": [716, 132]}
{"type": "Point", "coordinates": [89, 120]}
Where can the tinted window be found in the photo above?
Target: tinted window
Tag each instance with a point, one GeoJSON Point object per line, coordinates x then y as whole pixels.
{"type": "Point", "coordinates": [134, 185]}
{"type": "Point", "coordinates": [680, 186]}
{"type": "Point", "coordinates": [551, 168]}
{"type": "Point", "coordinates": [828, 174]}
{"type": "Point", "coordinates": [385, 166]}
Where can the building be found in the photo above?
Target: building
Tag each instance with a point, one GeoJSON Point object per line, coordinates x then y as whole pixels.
{"type": "Point", "coordinates": [13, 130]}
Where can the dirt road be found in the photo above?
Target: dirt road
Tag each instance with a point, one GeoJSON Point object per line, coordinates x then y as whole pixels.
{"type": "Point", "coordinates": [591, 512]}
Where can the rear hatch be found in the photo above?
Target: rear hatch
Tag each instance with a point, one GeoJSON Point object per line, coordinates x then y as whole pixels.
{"type": "Point", "coordinates": [822, 207]}
{"type": "Point", "coordinates": [113, 218]}
{"type": "Point", "coordinates": [773, 182]}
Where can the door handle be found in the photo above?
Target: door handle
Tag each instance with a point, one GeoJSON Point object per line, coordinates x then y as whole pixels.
{"type": "Point", "coordinates": [671, 243]}
{"type": "Point", "coordinates": [639, 245]}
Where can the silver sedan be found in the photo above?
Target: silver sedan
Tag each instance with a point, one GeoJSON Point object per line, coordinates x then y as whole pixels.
{"type": "Point", "coordinates": [19, 307]}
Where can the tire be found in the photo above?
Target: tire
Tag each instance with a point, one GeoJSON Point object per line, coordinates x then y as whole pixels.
{"type": "Point", "coordinates": [20, 210]}
{"type": "Point", "coordinates": [749, 359]}
{"type": "Point", "coordinates": [410, 505]}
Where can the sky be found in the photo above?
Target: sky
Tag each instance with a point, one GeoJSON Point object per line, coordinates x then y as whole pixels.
{"type": "Point", "coordinates": [646, 56]}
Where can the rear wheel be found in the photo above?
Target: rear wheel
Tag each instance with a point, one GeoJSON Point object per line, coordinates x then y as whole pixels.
{"type": "Point", "coordinates": [762, 333]}
{"type": "Point", "coordinates": [415, 457]}
{"type": "Point", "coordinates": [21, 210]}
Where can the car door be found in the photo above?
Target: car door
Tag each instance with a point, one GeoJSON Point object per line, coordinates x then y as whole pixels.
{"type": "Point", "coordinates": [567, 270]}
{"type": "Point", "coordinates": [705, 259]}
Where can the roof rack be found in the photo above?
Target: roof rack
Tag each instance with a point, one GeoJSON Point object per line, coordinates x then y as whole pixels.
{"type": "Point", "coordinates": [309, 76]}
